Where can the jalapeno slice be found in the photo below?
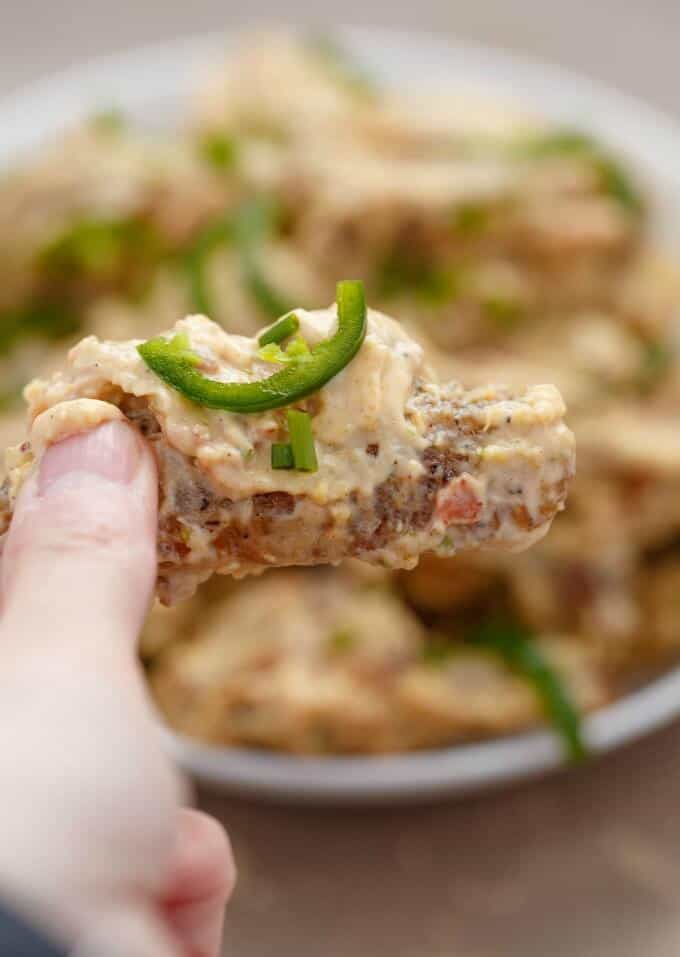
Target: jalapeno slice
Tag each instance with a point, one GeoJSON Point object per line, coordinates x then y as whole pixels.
{"type": "Point", "coordinates": [297, 380]}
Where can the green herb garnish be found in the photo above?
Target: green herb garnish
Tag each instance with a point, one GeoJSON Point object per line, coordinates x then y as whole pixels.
{"type": "Point", "coordinates": [108, 121]}
{"type": "Point", "coordinates": [217, 234]}
{"type": "Point", "coordinates": [102, 250]}
{"type": "Point", "coordinates": [38, 320]}
{"type": "Point", "coordinates": [283, 329]}
{"type": "Point", "coordinates": [502, 311]}
{"type": "Point", "coordinates": [295, 351]}
{"type": "Point", "coordinates": [254, 222]}
{"type": "Point", "coordinates": [617, 184]}
{"type": "Point", "coordinates": [519, 651]}
{"type": "Point", "coordinates": [219, 151]}
{"type": "Point", "coordinates": [180, 347]}
{"type": "Point", "coordinates": [613, 180]}
{"type": "Point", "coordinates": [407, 275]}
{"type": "Point", "coordinates": [341, 66]}
{"type": "Point", "coordinates": [470, 219]}
{"type": "Point", "coordinates": [282, 456]}
{"type": "Point", "coordinates": [245, 230]}
{"type": "Point", "coordinates": [341, 641]}
{"type": "Point", "coordinates": [563, 142]}
{"type": "Point", "coordinates": [302, 441]}
{"type": "Point", "coordinates": [657, 360]}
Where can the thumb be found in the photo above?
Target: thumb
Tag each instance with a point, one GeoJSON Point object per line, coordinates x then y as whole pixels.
{"type": "Point", "coordinates": [80, 555]}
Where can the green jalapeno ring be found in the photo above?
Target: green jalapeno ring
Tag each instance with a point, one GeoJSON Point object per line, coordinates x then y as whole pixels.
{"type": "Point", "coordinates": [292, 383]}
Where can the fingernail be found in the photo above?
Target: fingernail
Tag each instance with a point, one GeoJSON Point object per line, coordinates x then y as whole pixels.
{"type": "Point", "coordinates": [111, 451]}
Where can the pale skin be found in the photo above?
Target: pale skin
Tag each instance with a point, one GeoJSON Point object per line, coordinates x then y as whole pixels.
{"type": "Point", "coordinates": [94, 841]}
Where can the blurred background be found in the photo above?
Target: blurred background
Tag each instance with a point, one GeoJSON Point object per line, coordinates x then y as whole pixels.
{"type": "Point", "coordinates": [585, 864]}
{"type": "Point", "coordinates": [632, 45]}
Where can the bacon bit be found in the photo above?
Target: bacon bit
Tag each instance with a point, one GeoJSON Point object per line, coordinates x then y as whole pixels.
{"type": "Point", "coordinates": [522, 518]}
{"type": "Point", "coordinates": [460, 502]}
{"type": "Point", "coordinates": [372, 449]}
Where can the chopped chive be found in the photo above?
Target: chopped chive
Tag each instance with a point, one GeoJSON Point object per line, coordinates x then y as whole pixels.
{"type": "Point", "coordinates": [341, 641]}
{"type": "Point", "coordinates": [429, 283]}
{"type": "Point", "coordinates": [616, 183]}
{"type": "Point", "coordinates": [254, 222]}
{"type": "Point", "coordinates": [504, 312]}
{"type": "Point", "coordinates": [471, 219]}
{"type": "Point", "coordinates": [302, 440]}
{"type": "Point", "coordinates": [613, 180]}
{"type": "Point", "coordinates": [244, 230]}
{"type": "Point", "coordinates": [296, 351]}
{"type": "Point", "coordinates": [36, 320]}
{"type": "Point", "coordinates": [341, 66]}
{"type": "Point", "coordinates": [180, 347]}
{"type": "Point", "coordinates": [220, 151]}
{"type": "Point", "coordinates": [217, 234]}
{"type": "Point", "coordinates": [108, 121]}
{"type": "Point", "coordinates": [564, 142]}
{"type": "Point", "coordinates": [272, 353]}
{"type": "Point", "coordinates": [282, 456]}
{"type": "Point", "coordinates": [657, 359]}
{"type": "Point", "coordinates": [270, 301]}
{"type": "Point", "coordinates": [285, 327]}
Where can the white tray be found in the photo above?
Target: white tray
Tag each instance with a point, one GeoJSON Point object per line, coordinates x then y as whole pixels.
{"type": "Point", "coordinates": [152, 85]}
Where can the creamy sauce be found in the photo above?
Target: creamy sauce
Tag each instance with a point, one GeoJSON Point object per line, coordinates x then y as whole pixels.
{"type": "Point", "coordinates": [364, 405]}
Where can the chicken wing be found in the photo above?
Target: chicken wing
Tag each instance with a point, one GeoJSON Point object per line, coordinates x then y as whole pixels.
{"type": "Point", "coordinates": [405, 465]}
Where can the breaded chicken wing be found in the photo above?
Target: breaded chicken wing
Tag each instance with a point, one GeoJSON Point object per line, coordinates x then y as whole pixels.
{"type": "Point", "coordinates": [401, 465]}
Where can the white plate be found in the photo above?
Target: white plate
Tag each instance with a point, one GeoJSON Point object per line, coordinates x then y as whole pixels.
{"type": "Point", "coordinates": [152, 85]}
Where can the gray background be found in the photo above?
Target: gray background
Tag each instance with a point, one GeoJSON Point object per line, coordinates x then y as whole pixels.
{"type": "Point", "coordinates": [581, 865]}
{"type": "Point", "coordinates": [631, 43]}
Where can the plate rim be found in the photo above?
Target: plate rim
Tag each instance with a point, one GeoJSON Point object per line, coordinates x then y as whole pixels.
{"type": "Point", "coordinates": [54, 101]}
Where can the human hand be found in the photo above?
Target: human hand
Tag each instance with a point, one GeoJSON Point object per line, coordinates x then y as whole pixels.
{"type": "Point", "coordinates": [92, 838]}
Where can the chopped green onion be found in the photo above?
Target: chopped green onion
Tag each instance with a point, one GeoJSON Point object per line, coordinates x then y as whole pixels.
{"type": "Point", "coordinates": [270, 301]}
{"type": "Point", "coordinates": [341, 66]}
{"type": "Point", "coordinates": [108, 121]}
{"type": "Point", "coordinates": [520, 653]}
{"type": "Point", "coordinates": [471, 219]}
{"type": "Point", "coordinates": [180, 347]}
{"type": "Point", "coordinates": [245, 230]}
{"type": "Point", "coordinates": [402, 274]}
{"type": "Point", "coordinates": [282, 456]}
{"type": "Point", "coordinates": [255, 221]}
{"type": "Point", "coordinates": [504, 312]}
{"type": "Point", "coordinates": [218, 234]}
{"type": "Point", "coordinates": [285, 327]}
{"type": "Point", "coordinates": [9, 398]}
{"type": "Point", "coordinates": [43, 320]}
{"type": "Point", "coordinates": [613, 180]}
{"type": "Point", "coordinates": [657, 360]}
{"type": "Point", "coordinates": [341, 641]}
{"type": "Point", "coordinates": [556, 143]}
{"type": "Point", "coordinates": [272, 353]}
{"type": "Point", "coordinates": [102, 250]}
{"type": "Point", "coordinates": [296, 351]}
{"type": "Point", "coordinates": [220, 151]}
{"type": "Point", "coordinates": [302, 441]}
{"type": "Point", "coordinates": [615, 183]}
